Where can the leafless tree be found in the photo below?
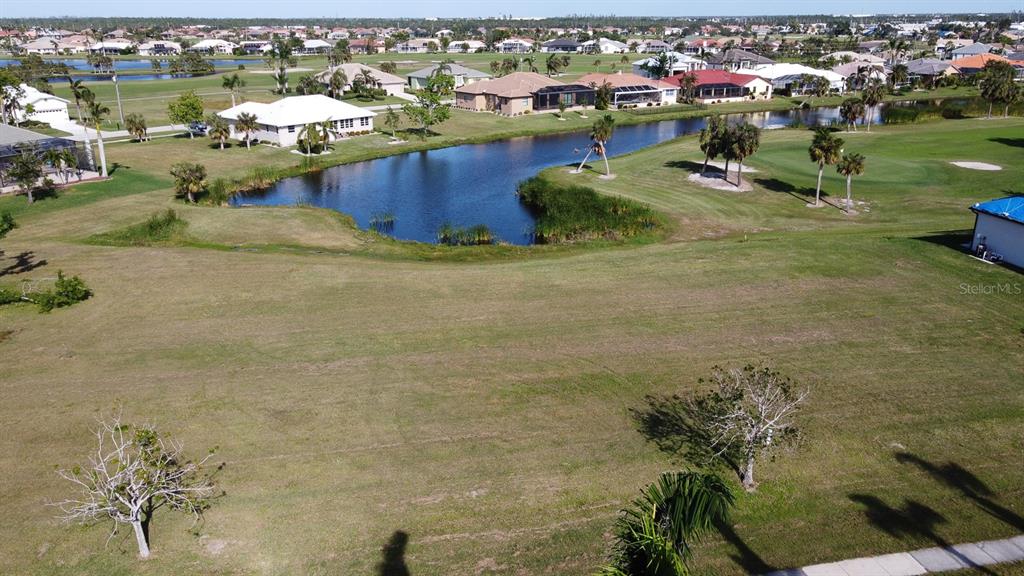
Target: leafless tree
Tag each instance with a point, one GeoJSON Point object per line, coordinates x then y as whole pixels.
{"type": "Point", "coordinates": [749, 413]}
{"type": "Point", "coordinates": [132, 473]}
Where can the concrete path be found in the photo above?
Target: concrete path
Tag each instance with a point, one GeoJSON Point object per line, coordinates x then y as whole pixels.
{"type": "Point", "coordinates": [77, 131]}
{"type": "Point", "coordinates": [923, 561]}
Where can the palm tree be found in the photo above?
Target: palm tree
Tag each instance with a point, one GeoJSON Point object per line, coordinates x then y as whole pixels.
{"type": "Point", "coordinates": [553, 64]}
{"type": "Point", "coordinates": [874, 93]}
{"type": "Point", "coordinates": [389, 67]}
{"type": "Point", "coordinates": [247, 123]}
{"type": "Point", "coordinates": [530, 63]}
{"type": "Point", "coordinates": [597, 65]}
{"type": "Point", "coordinates": [391, 120]}
{"type": "Point", "coordinates": [97, 111]}
{"type": "Point", "coordinates": [189, 179]}
{"type": "Point", "coordinates": [336, 84]}
{"type": "Point", "coordinates": [69, 160]}
{"type": "Point", "coordinates": [899, 75]}
{"type": "Point", "coordinates": [850, 165]}
{"type": "Point", "coordinates": [217, 129]}
{"type": "Point", "coordinates": [55, 158]}
{"type": "Point", "coordinates": [655, 536]}
{"type": "Point", "coordinates": [851, 110]}
{"type": "Point", "coordinates": [745, 142]}
{"type": "Point", "coordinates": [711, 139]}
{"type": "Point", "coordinates": [82, 94]}
{"type": "Point", "coordinates": [309, 137]}
{"type": "Point", "coordinates": [281, 55]}
{"type": "Point", "coordinates": [136, 126]}
{"type": "Point", "coordinates": [327, 132]}
{"type": "Point", "coordinates": [232, 83]}
{"type": "Point", "coordinates": [825, 150]}
{"type": "Point", "coordinates": [600, 134]}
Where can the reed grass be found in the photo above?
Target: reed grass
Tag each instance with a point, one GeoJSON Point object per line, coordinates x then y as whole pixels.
{"type": "Point", "coordinates": [160, 228]}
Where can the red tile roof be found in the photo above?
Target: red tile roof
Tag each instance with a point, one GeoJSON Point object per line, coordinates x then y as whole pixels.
{"type": "Point", "coordinates": [714, 77]}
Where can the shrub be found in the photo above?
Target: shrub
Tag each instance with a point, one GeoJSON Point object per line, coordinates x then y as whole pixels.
{"type": "Point", "coordinates": [478, 235]}
{"type": "Point", "coordinates": [66, 292]}
{"type": "Point", "coordinates": [161, 227]}
{"type": "Point", "coordinates": [8, 296]}
{"type": "Point", "coordinates": [577, 213]}
{"type": "Point", "coordinates": [217, 193]}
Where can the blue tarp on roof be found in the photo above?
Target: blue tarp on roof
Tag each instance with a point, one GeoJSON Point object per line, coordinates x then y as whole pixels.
{"type": "Point", "coordinates": [1011, 208]}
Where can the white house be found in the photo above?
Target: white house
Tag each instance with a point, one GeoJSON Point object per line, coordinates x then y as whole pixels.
{"type": "Point", "coordinates": [391, 84]}
{"type": "Point", "coordinates": [281, 122]}
{"type": "Point", "coordinates": [213, 46]}
{"type": "Point", "coordinates": [256, 46]}
{"type": "Point", "coordinates": [466, 46]}
{"type": "Point", "coordinates": [605, 46]}
{"type": "Point", "coordinates": [514, 46]}
{"type": "Point", "coordinates": [678, 63]}
{"type": "Point", "coordinates": [315, 46]}
{"type": "Point", "coordinates": [41, 46]}
{"type": "Point", "coordinates": [159, 48]}
{"type": "Point", "coordinates": [999, 226]}
{"type": "Point", "coordinates": [787, 76]}
{"type": "Point", "coordinates": [111, 46]}
{"type": "Point", "coordinates": [418, 46]}
{"type": "Point", "coordinates": [41, 107]}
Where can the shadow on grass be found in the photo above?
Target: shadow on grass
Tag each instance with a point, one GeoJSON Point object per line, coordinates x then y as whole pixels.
{"type": "Point", "coordinates": [691, 166]}
{"type": "Point", "coordinates": [1015, 142]}
{"type": "Point", "coordinates": [958, 478]}
{"type": "Point", "coordinates": [393, 556]}
{"type": "Point", "coordinates": [744, 556]}
{"type": "Point", "coordinates": [115, 167]}
{"type": "Point", "coordinates": [805, 194]}
{"type": "Point", "coordinates": [913, 520]}
{"type": "Point", "coordinates": [959, 240]}
{"type": "Point", "coordinates": [24, 262]}
{"type": "Point", "coordinates": [678, 429]}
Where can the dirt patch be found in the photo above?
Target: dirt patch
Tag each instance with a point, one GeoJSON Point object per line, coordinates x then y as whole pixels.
{"type": "Point", "coordinates": [718, 182]}
{"type": "Point", "coordinates": [978, 166]}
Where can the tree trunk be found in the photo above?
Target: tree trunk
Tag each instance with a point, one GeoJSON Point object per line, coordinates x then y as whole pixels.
{"type": "Point", "coordinates": [247, 146]}
{"type": "Point", "coordinates": [1006, 111]}
{"type": "Point", "coordinates": [849, 198]}
{"type": "Point", "coordinates": [88, 144]}
{"type": "Point", "coordinates": [747, 478]}
{"type": "Point", "coordinates": [817, 192]}
{"type": "Point", "coordinates": [103, 154]}
{"type": "Point", "coordinates": [191, 197]}
{"type": "Point", "coordinates": [31, 198]}
{"type": "Point", "coordinates": [870, 113]}
{"type": "Point", "coordinates": [221, 143]}
{"type": "Point", "coordinates": [705, 170]}
{"type": "Point", "coordinates": [191, 134]}
{"type": "Point", "coordinates": [140, 538]}
{"type": "Point", "coordinates": [585, 158]}
{"type": "Point", "coordinates": [726, 169]}
{"type": "Point", "coordinates": [232, 98]}
{"type": "Point", "coordinates": [607, 169]}
{"type": "Point", "coordinates": [990, 110]}
{"type": "Point", "coordinates": [739, 174]}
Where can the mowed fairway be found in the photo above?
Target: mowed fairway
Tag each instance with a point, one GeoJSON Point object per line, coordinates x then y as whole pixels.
{"type": "Point", "coordinates": [485, 408]}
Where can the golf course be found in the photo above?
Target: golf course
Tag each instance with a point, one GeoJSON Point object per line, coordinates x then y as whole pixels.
{"type": "Point", "coordinates": [485, 406]}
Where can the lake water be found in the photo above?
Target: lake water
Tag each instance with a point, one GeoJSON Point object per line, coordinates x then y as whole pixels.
{"type": "Point", "coordinates": [134, 67]}
{"type": "Point", "coordinates": [475, 184]}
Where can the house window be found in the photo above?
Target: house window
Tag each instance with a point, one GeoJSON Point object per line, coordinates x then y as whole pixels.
{"type": "Point", "coordinates": [566, 98]}
{"type": "Point", "coordinates": [291, 129]}
{"type": "Point", "coordinates": [364, 121]}
{"type": "Point", "coordinates": [526, 102]}
{"type": "Point", "coordinates": [346, 123]}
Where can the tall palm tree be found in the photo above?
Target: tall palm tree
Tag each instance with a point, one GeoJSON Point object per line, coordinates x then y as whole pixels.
{"type": "Point", "coordinates": [97, 112]}
{"type": "Point", "coordinates": [850, 165]}
{"type": "Point", "coordinates": [391, 120]}
{"type": "Point", "coordinates": [824, 150]}
{"type": "Point", "coordinates": [710, 139]}
{"type": "Point", "coordinates": [55, 158]}
{"type": "Point", "coordinates": [874, 93]}
{"type": "Point", "coordinates": [69, 161]}
{"type": "Point", "coordinates": [600, 134]}
{"type": "Point", "coordinates": [745, 142]}
{"type": "Point", "coordinates": [232, 83]}
{"type": "Point", "coordinates": [851, 110]}
{"type": "Point", "coordinates": [309, 137]}
{"type": "Point", "coordinates": [247, 123]}
{"type": "Point", "coordinates": [82, 94]}
{"type": "Point", "coordinates": [327, 131]}
{"type": "Point", "coordinates": [899, 75]}
{"type": "Point", "coordinates": [656, 534]}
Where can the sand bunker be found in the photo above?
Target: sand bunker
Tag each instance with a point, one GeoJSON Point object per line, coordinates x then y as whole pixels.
{"type": "Point", "coordinates": [978, 166]}
{"type": "Point", "coordinates": [732, 167]}
{"type": "Point", "coordinates": [275, 71]}
{"type": "Point", "coordinates": [717, 181]}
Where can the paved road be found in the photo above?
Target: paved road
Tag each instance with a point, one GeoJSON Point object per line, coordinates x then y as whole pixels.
{"type": "Point", "coordinates": [923, 561]}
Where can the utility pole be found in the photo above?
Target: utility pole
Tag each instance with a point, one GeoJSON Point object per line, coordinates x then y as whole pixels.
{"type": "Point", "coordinates": [117, 91]}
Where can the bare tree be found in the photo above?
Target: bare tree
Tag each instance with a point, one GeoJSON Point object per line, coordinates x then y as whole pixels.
{"type": "Point", "coordinates": [132, 473]}
{"type": "Point", "coordinates": [749, 413]}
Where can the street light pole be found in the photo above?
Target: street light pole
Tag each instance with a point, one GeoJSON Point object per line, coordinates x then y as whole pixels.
{"type": "Point", "coordinates": [117, 91]}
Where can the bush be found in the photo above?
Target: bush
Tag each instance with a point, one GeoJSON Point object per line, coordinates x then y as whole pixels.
{"type": "Point", "coordinates": [161, 227]}
{"type": "Point", "coordinates": [217, 193]}
{"type": "Point", "coordinates": [577, 213]}
{"type": "Point", "coordinates": [8, 296]}
{"type": "Point", "coordinates": [478, 235]}
{"type": "Point", "coordinates": [66, 292]}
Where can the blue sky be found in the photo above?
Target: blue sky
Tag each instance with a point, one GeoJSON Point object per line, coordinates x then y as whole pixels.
{"type": "Point", "coordinates": [448, 8]}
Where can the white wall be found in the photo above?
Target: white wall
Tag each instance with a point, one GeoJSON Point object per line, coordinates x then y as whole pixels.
{"type": "Point", "coordinates": [283, 137]}
{"type": "Point", "coordinates": [1003, 237]}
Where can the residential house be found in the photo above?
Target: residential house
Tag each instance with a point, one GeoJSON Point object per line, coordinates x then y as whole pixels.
{"type": "Point", "coordinates": [790, 77]}
{"type": "Point", "coordinates": [47, 45]}
{"type": "Point", "coordinates": [112, 47]}
{"type": "Point", "coordinates": [418, 46]}
{"type": "Point", "coordinates": [715, 86]}
{"type": "Point", "coordinates": [970, 50]}
{"type": "Point", "coordinates": [845, 56]}
{"type": "Point", "coordinates": [974, 64]}
{"type": "Point", "coordinates": [858, 73]}
{"type": "Point", "coordinates": [633, 89]}
{"type": "Point", "coordinates": [514, 46]}
{"type": "Point", "coordinates": [999, 229]}
{"type": "Point", "coordinates": [522, 93]}
{"type": "Point", "coordinates": [315, 46]}
{"type": "Point", "coordinates": [255, 46]}
{"type": "Point", "coordinates": [928, 70]}
{"type": "Point", "coordinates": [159, 48]}
{"type": "Point", "coordinates": [701, 46]}
{"type": "Point", "coordinates": [391, 84]}
{"type": "Point", "coordinates": [604, 46]}
{"type": "Point", "coordinates": [213, 46]}
{"type": "Point", "coordinates": [734, 60]}
{"type": "Point", "coordinates": [652, 46]}
{"type": "Point", "coordinates": [678, 63]}
{"type": "Point", "coordinates": [462, 75]}
{"type": "Point", "coordinates": [281, 122]}
{"type": "Point", "coordinates": [466, 46]}
{"type": "Point", "coordinates": [39, 106]}
{"type": "Point", "coordinates": [562, 45]}
{"type": "Point", "coordinates": [365, 46]}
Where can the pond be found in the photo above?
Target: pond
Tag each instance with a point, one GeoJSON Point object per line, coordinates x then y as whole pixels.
{"type": "Point", "coordinates": [419, 192]}
{"type": "Point", "coordinates": [134, 69]}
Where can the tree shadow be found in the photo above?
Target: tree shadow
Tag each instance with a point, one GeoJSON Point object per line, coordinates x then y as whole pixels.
{"type": "Point", "coordinates": [744, 556]}
{"type": "Point", "coordinates": [802, 194]}
{"type": "Point", "coordinates": [968, 485]}
{"type": "Point", "coordinates": [1015, 142]}
{"type": "Point", "coordinates": [912, 520]}
{"type": "Point", "coordinates": [23, 262]}
{"type": "Point", "coordinates": [115, 167]}
{"type": "Point", "coordinates": [393, 556]}
{"type": "Point", "coordinates": [678, 428]}
{"type": "Point", "coordinates": [691, 166]}
{"type": "Point", "coordinates": [959, 240]}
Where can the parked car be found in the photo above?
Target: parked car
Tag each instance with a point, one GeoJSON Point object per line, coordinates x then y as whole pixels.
{"type": "Point", "coordinates": [198, 128]}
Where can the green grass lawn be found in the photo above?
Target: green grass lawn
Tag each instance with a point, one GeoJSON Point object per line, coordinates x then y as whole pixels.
{"type": "Point", "coordinates": [484, 408]}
